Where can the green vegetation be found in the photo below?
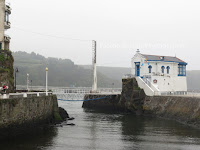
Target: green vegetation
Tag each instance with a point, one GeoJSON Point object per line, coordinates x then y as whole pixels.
{"type": "Point", "coordinates": [62, 72]}
{"type": "Point", "coordinates": [137, 88]}
{"type": "Point", "coordinates": [2, 70]}
{"type": "Point", "coordinates": [2, 58]}
{"type": "Point", "coordinates": [57, 116]}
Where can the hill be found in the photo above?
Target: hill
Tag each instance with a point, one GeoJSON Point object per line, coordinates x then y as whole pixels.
{"type": "Point", "coordinates": [62, 72]}
{"type": "Point", "coordinates": [115, 73]}
{"type": "Point", "coordinates": [193, 80]}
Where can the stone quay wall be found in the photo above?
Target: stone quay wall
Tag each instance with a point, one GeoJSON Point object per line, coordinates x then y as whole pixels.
{"type": "Point", "coordinates": [183, 109]}
{"type": "Point", "coordinates": [19, 115]}
{"type": "Point", "coordinates": [130, 100]}
{"type": "Point", "coordinates": [110, 102]}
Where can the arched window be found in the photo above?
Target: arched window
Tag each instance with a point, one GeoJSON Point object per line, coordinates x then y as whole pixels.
{"type": "Point", "coordinates": [163, 69]}
{"type": "Point", "coordinates": [150, 67]}
{"type": "Point", "coordinates": [168, 69]}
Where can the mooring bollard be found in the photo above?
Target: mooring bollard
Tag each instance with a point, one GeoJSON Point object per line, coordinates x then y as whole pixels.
{"type": "Point", "coordinates": [5, 96]}
{"type": "Point", "coordinates": [24, 95]}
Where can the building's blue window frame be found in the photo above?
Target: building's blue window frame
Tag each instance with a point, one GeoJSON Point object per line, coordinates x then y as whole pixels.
{"type": "Point", "coordinates": [163, 69]}
{"type": "Point", "coordinates": [181, 70]}
{"type": "Point", "coordinates": [150, 68]}
{"type": "Point", "coordinates": [168, 68]}
{"type": "Point", "coordinates": [137, 68]}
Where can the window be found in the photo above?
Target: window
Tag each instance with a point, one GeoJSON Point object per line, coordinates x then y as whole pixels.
{"type": "Point", "coordinates": [163, 69]}
{"type": "Point", "coordinates": [137, 68]}
{"type": "Point", "coordinates": [150, 67]}
{"type": "Point", "coordinates": [181, 70]}
{"type": "Point", "coordinates": [6, 17]}
{"type": "Point", "coordinates": [168, 69]}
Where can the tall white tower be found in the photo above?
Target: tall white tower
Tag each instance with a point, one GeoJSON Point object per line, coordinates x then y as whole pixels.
{"type": "Point", "coordinates": [94, 61]}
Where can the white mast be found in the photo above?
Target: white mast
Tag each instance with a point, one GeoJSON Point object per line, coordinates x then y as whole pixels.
{"type": "Point", "coordinates": [94, 61]}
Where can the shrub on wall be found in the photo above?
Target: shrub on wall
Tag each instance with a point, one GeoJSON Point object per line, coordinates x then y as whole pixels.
{"type": "Point", "coordinates": [2, 58]}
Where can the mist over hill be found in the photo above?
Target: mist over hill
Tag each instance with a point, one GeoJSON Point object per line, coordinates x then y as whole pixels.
{"type": "Point", "coordinates": [193, 80]}
{"type": "Point", "coordinates": [63, 72]}
{"type": "Point", "coordinates": [115, 73]}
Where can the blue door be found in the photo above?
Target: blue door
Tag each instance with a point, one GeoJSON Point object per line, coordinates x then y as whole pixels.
{"type": "Point", "coordinates": [137, 69]}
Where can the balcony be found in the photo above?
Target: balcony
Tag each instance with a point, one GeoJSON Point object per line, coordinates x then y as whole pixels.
{"type": "Point", "coordinates": [8, 8]}
{"type": "Point", "coordinates": [7, 25]}
{"type": "Point", "coordinates": [7, 38]}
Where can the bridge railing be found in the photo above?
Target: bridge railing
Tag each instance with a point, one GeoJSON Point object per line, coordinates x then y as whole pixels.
{"type": "Point", "coordinates": [84, 90]}
{"type": "Point", "coordinates": [87, 90]}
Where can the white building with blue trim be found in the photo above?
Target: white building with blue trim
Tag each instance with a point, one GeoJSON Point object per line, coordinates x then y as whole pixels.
{"type": "Point", "coordinates": [159, 75]}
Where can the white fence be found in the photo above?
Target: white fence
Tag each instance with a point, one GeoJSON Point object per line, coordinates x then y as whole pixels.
{"type": "Point", "coordinates": [70, 89]}
{"type": "Point", "coordinates": [183, 94]}
{"type": "Point", "coordinates": [150, 91]}
{"type": "Point", "coordinates": [73, 93]}
{"type": "Point", "coordinates": [28, 94]}
{"type": "Point", "coordinates": [79, 93]}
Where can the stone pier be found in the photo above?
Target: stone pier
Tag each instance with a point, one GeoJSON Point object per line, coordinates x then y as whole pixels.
{"type": "Point", "coordinates": [184, 109]}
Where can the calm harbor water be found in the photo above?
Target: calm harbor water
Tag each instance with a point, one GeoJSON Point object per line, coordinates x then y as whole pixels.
{"type": "Point", "coordinates": [107, 131]}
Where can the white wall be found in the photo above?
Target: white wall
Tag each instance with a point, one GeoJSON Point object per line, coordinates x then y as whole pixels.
{"type": "Point", "coordinates": [148, 91]}
{"type": "Point", "coordinates": [2, 12]}
{"type": "Point", "coordinates": [172, 84]}
{"type": "Point", "coordinates": [165, 82]}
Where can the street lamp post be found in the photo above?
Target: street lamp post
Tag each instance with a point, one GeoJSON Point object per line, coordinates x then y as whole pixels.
{"type": "Point", "coordinates": [31, 85]}
{"type": "Point", "coordinates": [113, 87]}
{"type": "Point", "coordinates": [27, 81]}
{"type": "Point", "coordinates": [16, 71]}
{"type": "Point", "coordinates": [46, 81]}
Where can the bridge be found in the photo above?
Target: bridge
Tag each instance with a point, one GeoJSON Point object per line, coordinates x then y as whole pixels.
{"type": "Point", "coordinates": [73, 93]}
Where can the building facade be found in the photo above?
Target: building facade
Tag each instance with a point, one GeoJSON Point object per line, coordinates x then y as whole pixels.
{"type": "Point", "coordinates": [163, 74]}
{"type": "Point", "coordinates": [5, 11]}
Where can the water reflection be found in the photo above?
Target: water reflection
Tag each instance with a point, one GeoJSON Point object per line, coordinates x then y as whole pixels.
{"type": "Point", "coordinates": [40, 139]}
{"type": "Point", "coordinates": [99, 130]}
{"type": "Point", "coordinates": [128, 131]}
{"type": "Point", "coordinates": [154, 133]}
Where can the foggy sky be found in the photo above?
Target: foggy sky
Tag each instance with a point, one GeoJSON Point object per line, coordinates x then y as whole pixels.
{"type": "Point", "coordinates": [158, 27]}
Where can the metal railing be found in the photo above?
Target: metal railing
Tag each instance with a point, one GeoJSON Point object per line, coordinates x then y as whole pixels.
{"type": "Point", "coordinates": [70, 89]}
{"type": "Point", "coordinates": [87, 90]}
{"type": "Point", "coordinates": [128, 76]}
{"type": "Point", "coordinates": [181, 93]}
{"type": "Point", "coordinates": [79, 93]}
{"type": "Point", "coordinates": [28, 94]}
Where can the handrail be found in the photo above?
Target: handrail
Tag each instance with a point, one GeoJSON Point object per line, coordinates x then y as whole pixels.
{"type": "Point", "coordinates": [153, 85]}
{"type": "Point", "coordinates": [146, 84]}
{"type": "Point", "coordinates": [6, 96]}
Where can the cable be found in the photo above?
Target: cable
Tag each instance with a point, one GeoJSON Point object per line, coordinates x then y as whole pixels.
{"type": "Point", "coordinates": [51, 35]}
{"type": "Point", "coordinates": [85, 100]}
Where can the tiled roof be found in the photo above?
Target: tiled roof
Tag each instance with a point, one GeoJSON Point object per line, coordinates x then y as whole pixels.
{"type": "Point", "coordinates": [162, 58]}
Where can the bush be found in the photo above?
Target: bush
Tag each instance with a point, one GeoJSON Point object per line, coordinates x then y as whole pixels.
{"type": "Point", "coordinates": [2, 58]}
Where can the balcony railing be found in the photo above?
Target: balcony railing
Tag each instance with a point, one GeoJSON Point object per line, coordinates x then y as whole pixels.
{"type": "Point", "coordinates": [7, 38]}
{"type": "Point", "coordinates": [8, 8]}
{"type": "Point", "coordinates": [127, 76]}
{"type": "Point", "coordinates": [7, 25]}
